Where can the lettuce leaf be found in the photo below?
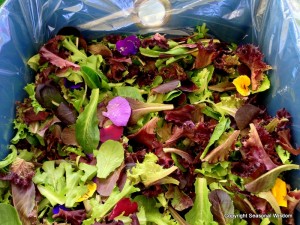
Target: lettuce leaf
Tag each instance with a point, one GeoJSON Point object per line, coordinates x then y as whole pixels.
{"type": "Point", "coordinates": [61, 184]}
{"type": "Point", "coordinates": [87, 131]}
{"type": "Point", "coordinates": [9, 215]}
{"type": "Point", "coordinates": [99, 210]}
{"type": "Point", "coordinates": [200, 213]}
{"type": "Point", "coordinates": [152, 213]}
{"type": "Point", "coordinates": [109, 157]}
{"type": "Point", "coordinates": [149, 172]}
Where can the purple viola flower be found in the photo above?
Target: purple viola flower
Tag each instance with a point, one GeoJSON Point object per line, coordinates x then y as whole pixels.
{"type": "Point", "coordinates": [118, 111]}
{"type": "Point", "coordinates": [71, 85]}
{"type": "Point", "coordinates": [129, 45]}
{"type": "Point", "coordinates": [56, 209]}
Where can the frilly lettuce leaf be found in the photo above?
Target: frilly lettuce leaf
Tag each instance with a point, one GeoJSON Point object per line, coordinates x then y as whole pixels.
{"type": "Point", "coordinates": [149, 172]}
{"type": "Point", "coordinates": [201, 78]}
{"type": "Point", "coordinates": [152, 213]}
{"type": "Point", "coordinates": [61, 184]}
{"type": "Point", "coordinates": [30, 89]}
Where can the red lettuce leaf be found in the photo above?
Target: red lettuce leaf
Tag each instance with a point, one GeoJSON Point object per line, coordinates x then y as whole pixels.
{"type": "Point", "coordinates": [284, 138]}
{"type": "Point", "coordinates": [66, 113]}
{"type": "Point", "coordinates": [57, 60]}
{"type": "Point", "coordinates": [166, 87]}
{"type": "Point", "coordinates": [23, 190]}
{"type": "Point", "coordinates": [173, 71]}
{"type": "Point", "coordinates": [221, 205]}
{"type": "Point", "coordinates": [258, 151]}
{"type": "Point", "coordinates": [180, 115]}
{"type": "Point", "coordinates": [253, 58]}
{"type": "Point", "coordinates": [25, 204]}
{"type": "Point", "coordinates": [125, 206]}
{"type": "Point", "coordinates": [146, 135]}
{"type": "Point", "coordinates": [206, 55]}
{"type": "Point", "coordinates": [245, 114]}
{"type": "Point", "coordinates": [156, 40]}
{"type": "Point", "coordinates": [75, 217]}
{"type": "Point", "coordinates": [106, 186]}
{"type": "Point", "coordinates": [293, 198]}
{"type": "Point", "coordinates": [180, 201]}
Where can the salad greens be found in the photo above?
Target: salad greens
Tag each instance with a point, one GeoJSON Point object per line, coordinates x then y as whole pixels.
{"type": "Point", "coordinates": [148, 130]}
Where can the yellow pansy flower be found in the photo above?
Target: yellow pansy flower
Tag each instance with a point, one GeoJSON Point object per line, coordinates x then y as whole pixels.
{"type": "Point", "coordinates": [279, 191]}
{"type": "Point", "coordinates": [91, 190]}
{"type": "Point", "coordinates": [242, 84]}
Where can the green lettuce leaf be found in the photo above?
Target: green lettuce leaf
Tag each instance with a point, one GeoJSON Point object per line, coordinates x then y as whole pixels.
{"type": "Point", "coordinates": [201, 78]}
{"type": "Point", "coordinates": [87, 131]}
{"type": "Point", "coordinates": [149, 172]}
{"type": "Point", "coordinates": [30, 89]}
{"type": "Point", "coordinates": [218, 131]}
{"type": "Point", "coordinates": [129, 92]}
{"type": "Point", "coordinates": [9, 215]}
{"type": "Point", "coordinates": [283, 155]}
{"type": "Point", "coordinates": [217, 170]}
{"type": "Point", "coordinates": [200, 213]}
{"type": "Point", "coordinates": [61, 184]}
{"type": "Point", "coordinates": [152, 213]}
{"type": "Point", "coordinates": [10, 158]}
{"type": "Point", "coordinates": [109, 157]}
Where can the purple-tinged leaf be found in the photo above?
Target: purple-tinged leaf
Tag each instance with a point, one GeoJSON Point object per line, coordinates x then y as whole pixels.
{"type": "Point", "coordinates": [68, 136]}
{"type": "Point", "coordinates": [25, 204]}
{"type": "Point", "coordinates": [106, 186]}
{"type": "Point", "coordinates": [221, 205]}
{"type": "Point", "coordinates": [146, 135]}
{"type": "Point", "coordinates": [66, 113]}
{"type": "Point", "coordinates": [56, 60]}
{"type": "Point", "coordinates": [74, 217]}
{"type": "Point", "coordinates": [166, 87]}
{"type": "Point", "coordinates": [140, 109]}
{"type": "Point", "coordinates": [180, 115]}
{"type": "Point", "coordinates": [245, 114]}
{"type": "Point", "coordinates": [48, 95]}
{"type": "Point", "coordinates": [183, 154]}
{"type": "Point", "coordinates": [253, 58]}
{"type": "Point", "coordinates": [118, 111]}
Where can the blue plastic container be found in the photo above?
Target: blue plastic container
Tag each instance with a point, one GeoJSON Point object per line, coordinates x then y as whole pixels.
{"type": "Point", "coordinates": [272, 25]}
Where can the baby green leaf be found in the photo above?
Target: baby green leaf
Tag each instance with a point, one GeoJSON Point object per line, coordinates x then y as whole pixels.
{"type": "Point", "coordinates": [109, 157]}
{"type": "Point", "coordinates": [266, 181]}
{"type": "Point", "coordinates": [87, 131]}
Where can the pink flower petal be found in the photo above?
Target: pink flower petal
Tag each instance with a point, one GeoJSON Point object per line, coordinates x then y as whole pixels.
{"type": "Point", "coordinates": [118, 111]}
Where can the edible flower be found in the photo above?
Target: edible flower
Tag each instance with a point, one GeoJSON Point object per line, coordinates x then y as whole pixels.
{"type": "Point", "coordinates": [129, 45]}
{"type": "Point", "coordinates": [242, 84]}
{"type": "Point", "coordinates": [56, 208]}
{"type": "Point", "coordinates": [91, 190]}
{"type": "Point", "coordinates": [279, 191]}
{"type": "Point", "coordinates": [118, 111]}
